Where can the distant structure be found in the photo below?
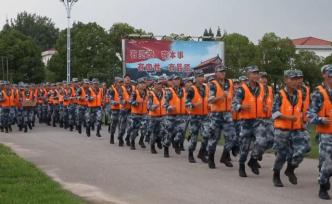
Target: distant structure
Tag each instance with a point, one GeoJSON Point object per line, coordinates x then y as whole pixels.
{"type": "Point", "coordinates": [47, 55]}
{"type": "Point", "coordinates": [320, 47]}
{"type": "Point", "coordinates": [208, 66]}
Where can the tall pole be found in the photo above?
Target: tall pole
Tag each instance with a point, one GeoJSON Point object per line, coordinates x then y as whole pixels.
{"type": "Point", "coordinates": [3, 69]}
{"type": "Point", "coordinates": [68, 5]}
{"type": "Point", "coordinates": [7, 67]}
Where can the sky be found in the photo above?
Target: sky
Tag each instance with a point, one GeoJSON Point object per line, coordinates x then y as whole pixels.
{"type": "Point", "coordinates": [253, 18]}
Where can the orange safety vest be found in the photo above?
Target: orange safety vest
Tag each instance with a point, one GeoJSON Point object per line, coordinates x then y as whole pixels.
{"type": "Point", "coordinates": [6, 102]}
{"type": "Point", "coordinates": [235, 116]}
{"type": "Point", "coordinates": [17, 98]}
{"type": "Point", "coordinates": [160, 110]}
{"type": "Point", "coordinates": [141, 108]}
{"type": "Point", "coordinates": [97, 98]}
{"type": "Point", "coordinates": [82, 101]}
{"type": "Point", "coordinates": [179, 104]}
{"type": "Point", "coordinates": [268, 103]}
{"type": "Point", "coordinates": [68, 101]}
{"type": "Point", "coordinates": [326, 111]}
{"type": "Point", "coordinates": [202, 107]}
{"type": "Point", "coordinates": [287, 109]}
{"type": "Point", "coordinates": [255, 102]}
{"type": "Point", "coordinates": [226, 105]}
{"type": "Point", "coordinates": [116, 99]}
{"type": "Point", "coordinates": [56, 101]}
{"type": "Point", "coordinates": [126, 98]}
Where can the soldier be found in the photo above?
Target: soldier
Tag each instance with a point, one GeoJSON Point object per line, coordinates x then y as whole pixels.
{"type": "Point", "coordinates": [138, 123]}
{"type": "Point", "coordinates": [197, 107]}
{"type": "Point", "coordinates": [320, 114]}
{"type": "Point", "coordinates": [290, 143]}
{"type": "Point", "coordinates": [268, 103]}
{"type": "Point", "coordinates": [26, 113]}
{"type": "Point", "coordinates": [40, 95]}
{"type": "Point", "coordinates": [175, 118]}
{"type": "Point", "coordinates": [113, 94]}
{"type": "Point", "coordinates": [305, 92]}
{"type": "Point", "coordinates": [155, 112]}
{"type": "Point", "coordinates": [6, 98]}
{"type": "Point", "coordinates": [94, 113]}
{"type": "Point", "coordinates": [235, 116]}
{"type": "Point", "coordinates": [124, 96]}
{"type": "Point", "coordinates": [188, 82]}
{"type": "Point", "coordinates": [72, 104]}
{"type": "Point", "coordinates": [82, 105]}
{"type": "Point", "coordinates": [248, 101]}
{"type": "Point", "coordinates": [220, 116]}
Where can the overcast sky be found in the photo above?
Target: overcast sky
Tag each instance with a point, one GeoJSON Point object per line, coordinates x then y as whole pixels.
{"type": "Point", "coordinates": [253, 18]}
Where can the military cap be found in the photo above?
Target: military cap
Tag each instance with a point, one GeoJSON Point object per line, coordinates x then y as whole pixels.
{"type": "Point", "coordinates": [263, 74]}
{"type": "Point", "coordinates": [199, 73]}
{"type": "Point", "coordinates": [290, 73]}
{"type": "Point", "coordinates": [326, 68]}
{"type": "Point", "coordinates": [141, 80]}
{"type": "Point", "coordinates": [251, 69]}
{"type": "Point", "coordinates": [95, 81]}
{"type": "Point", "coordinates": [329, 72]}
{"type": "Point", "coordinates": [243, 78]}
{"type": "Point", "coordinates": [220, 68]}
{"type": "Point", "coordinates": [118, 79]}
{"type": "Point", "coordinates": [86, 81]}
{"type": "Point", "coordinates": [176, 77]}
{"type": "Point", "coordinates": [75, 80]}
{"type": "Point", "coordinates": [236, 81]}
{"type": "Point", "coordinates": [299, 73]}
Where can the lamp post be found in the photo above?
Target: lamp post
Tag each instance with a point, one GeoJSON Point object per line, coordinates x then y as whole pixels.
{"type": "Point", "coordinates": [68, 5]}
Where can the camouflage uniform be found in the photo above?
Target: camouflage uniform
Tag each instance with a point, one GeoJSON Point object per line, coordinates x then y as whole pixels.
{"type": "Point", "coordinates": [4, 114]}
{"type": "Point", "coordinates": [251, 130]}
{"type": "Point", "coordinates": [93, 116]}
{"type": "Point", "coordinates": [289, 145]}
{"type": "Point", "coordinates": [123, 119]}
{"type": "Point", "coordinates": [80, 112]}
{"type": "Point", "coordinates": [325, 140]}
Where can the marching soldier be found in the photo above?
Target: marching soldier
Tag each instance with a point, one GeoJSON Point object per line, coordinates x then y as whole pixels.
{"type": "Point", "coordinates": [290, 143]}
{"type": "Point", "coordinates": [113, 94]}
{"type": "Point", "coordinates": [320, 114]}
{"type": "Point", "coordinates": [82, 105]}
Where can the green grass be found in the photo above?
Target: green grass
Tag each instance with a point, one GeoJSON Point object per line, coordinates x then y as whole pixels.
{"type": "Point", "coordinates": [22, 182]}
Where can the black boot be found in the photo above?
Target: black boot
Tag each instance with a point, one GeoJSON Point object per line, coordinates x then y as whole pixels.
{"type": "Point", "coordinates": [112, 139]}
{"type": "Point", "coordinates": [10, 128]}
{"type": "Point", "coordinates": [153, 149]}
{"type": "Point", "coordinates": [323, 191]}
{"type": "Point", "coordinates": [30, 126]}
{"type": "Point", "coordinates": [242, 170]}
{"type": "Point", "coordinates": [276, 179]}
{"type": "Point", "coordinates": [25, 128]}
{"type": "Point", "coordinates": [54, 125]}
{"type": "Point", "coordinates": [109, 128]}
{"type": "Point", "coordinates": [182, 147]}
{"type": "Point", "coordinates": [141, 142]}
{"type": "Point", "coordinates": [290, 174]}
{"type": "Point", "coordinates": [6, 129]}
{"type": "Point", "coordinates": [1, 129]}
{"type": "Point", "coordinates": [128, 142]}
{"type": "Point", "coordinates": [159, 145]}
{"type": "Point", "coordinates": [98, 131]}
{"type": "Point", "coordinates": [166, 152]}
{"type": "Point", "coordinates": [253, 165]}
{"type": "Point", "coordinates": [20, 128]}
{"type": "Point", "coordinates": [61, 124]}
{"type": "Point", "coordinates": [88, 130]}
{"type": "Point", "coordinates": [177, 148]}
{"type": "Point", "coordinates": [225, 158]}
{"type": "Point", "coordinates": [33, 124]}
{"type": "Point", "coordinates": [191, 158]}
{"type": "Point", "coordinates": [132, 145]}
{"type": "Point", "coordinates": [71, 128]}
{"type": "Point", "coordinates": [235, 150]}
{"type": "Point", "coordinates": [79, 129]}
{"type": "Point", "coordinates": [121, 142]}
{"type": "Point", "coordinates": [201, 155]}
{"type": "Point", "coordinates": [211, 163]}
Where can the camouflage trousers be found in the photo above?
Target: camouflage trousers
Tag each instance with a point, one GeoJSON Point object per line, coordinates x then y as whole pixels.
{"type": "Point", "coordinates": [114, 121]}
{"type": "Point", "coordinates": [198, 125]}
{"type": "Point", "coordinates": [123, 121]}
{"type": "Point", "coordinates": [63, 115]}
{"type": "Point", "coordinates": [252, 133]}
{"type": "Point", "coordinates": [71, 115]}
{"type": "Point", "coordinates": [237, 127]}
{"type": "Point", "coordinates": [12, 115]}
{"type": "Point", "coordinates": [94, 116]}
{"type": "Point", "coordinates": [55, 113]}
{"type": "Point", "coordinates": [269, 133]}
{"type": "Point", "coordinates": [138, 124]}
{"type": "Point", "coordinates": [80, 115]}
{"type": "Point", "coordinates": [24, 116]}
{"type": "Point", "coordinates": [290, 146]}
{"type": "Point", "coordinates": [220, 123]}
{"type": "Point", "coordinates": [174, 127]}
{"type": "Point", "coordinates": [155, 126]}
{"type": "Point", "coordinates": [4, 117]}
{"type": "Point", "coordinates": [325, 155]}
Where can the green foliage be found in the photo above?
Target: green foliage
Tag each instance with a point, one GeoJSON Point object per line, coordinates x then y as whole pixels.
{"type": "Point", "coordinates": [22, 182]}
{"type": "Point", "coordinates": [24, 57]}
{"type": "Point", "coordinates": [41, 29]}
{"type": "Point", "coordinates": [309, 63]}
{"type": "Point", "coordinates": [328, 59]}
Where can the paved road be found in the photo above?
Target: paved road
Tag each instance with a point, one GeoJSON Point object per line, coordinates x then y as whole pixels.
{"type": "Point", "coordinates": [104, 173]}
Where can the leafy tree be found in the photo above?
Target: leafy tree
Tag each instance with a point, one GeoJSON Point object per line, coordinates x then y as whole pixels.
{"type": "Point", "coordinates": [24, 57]}
{"type": "Point", "coordinates": [211, 33]}
{"type": "Point", "coordinates": [218, 32]}
{"type": "Point", "coordinates": [328, 59]}
{"type": "Point", "coordinates": [239, 53]}
{"type": "Point", "coordinates": [41, 29]}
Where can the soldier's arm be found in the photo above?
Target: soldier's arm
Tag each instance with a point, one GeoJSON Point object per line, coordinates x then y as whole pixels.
{"type": "Point", "coordinates": [168, 97]}
{"type": "Point", "coordinates": [189, 98]}
{"type": "Point", "coordinates": [150, 105]}
{"type": "Point", "coordinates": [2, 99]}
{"type": "Point", "coordinates": [133, 98]}
{"type": "Point", "coordinates": [212, 92]}
{"type": "Point", "coordinates": [237, 100]}
{"type": "Point", "coordinates": [276, 107]}
{"type": "Point", "coordinates": [315, 106]}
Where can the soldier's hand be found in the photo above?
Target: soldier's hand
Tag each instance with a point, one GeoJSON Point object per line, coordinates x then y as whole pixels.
{"type": "Point", "coordinates": [197, 104]}
{"type": "Point", "coordinates": [170, 108]}
{"type": "Point", "coordinates": [326, 121]}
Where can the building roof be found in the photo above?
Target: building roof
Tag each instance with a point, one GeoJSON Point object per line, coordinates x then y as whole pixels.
{"type": "Point", "coordinates": [214, 60]}
{"type": "Point", "coordinates": [311, 41]}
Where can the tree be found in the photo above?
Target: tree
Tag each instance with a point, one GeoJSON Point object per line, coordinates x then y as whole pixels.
{"type": "Point", "coordinates": [309, 63]}
{"type": "Point", "coordinates": [328, 59]}
{"type": "Point", "coordinates": [239, 53]}
{"type": "Point", "coordinates": [218, 32]}
{"type": "Point", "coordinates": [274, 55]}
{"type": "Point", "coordinates": [211, 33]}
{"type": "Point", "coordinates": [41, 29]}
{"type": "Point", "coordinates": [24, 57]}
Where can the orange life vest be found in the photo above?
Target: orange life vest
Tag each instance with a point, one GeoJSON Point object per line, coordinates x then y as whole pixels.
{"type": "Point", "coordinates": [201, 107]}
{"type": "Point", "coordinates": [82, 98]}
{"type": "Point", "coordinates": [287, 109]}
{"type": "Point", "coordinates": [160, 110]}
{"type": "Point", "coordinates": [96, 98]}
{"type": "Point", "coordinates": [326, 111]}
{"type": "Point", "coordinates": [306, 102]}
{"type": "Point", "coordinates": [6, 102]}
{"type": "Point", "coordinates": [126, 98]}
{"type": "Point", "coordinates": [66, 102]}
{"type": "Point", "coordinates": [116, 99]}
{"type": "Point", "coordinates": [178, 104]}
{"type": "Point", "coordinates": [255, 103]}
{"type": "Point", "coordinates": [141, 108]}
{"type": "Point", "coordinates": [225, 105]}
{"type": "Point", "coordinates": [268, 103]}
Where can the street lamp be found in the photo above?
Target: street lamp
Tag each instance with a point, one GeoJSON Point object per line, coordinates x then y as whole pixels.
{"type": "Point", "coordinates": [68, 5]}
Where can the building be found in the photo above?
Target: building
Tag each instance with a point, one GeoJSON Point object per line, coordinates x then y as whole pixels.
{"type": "Point", "coordinates": [320, 47]}
{"type": "Point", "coordinates": [47, 55]}
{"type": "Point", "coordinates": [208, 66]}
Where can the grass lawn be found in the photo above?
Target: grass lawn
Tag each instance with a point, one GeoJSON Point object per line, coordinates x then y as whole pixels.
{"type": "Point", "coordinates": [22, 182]}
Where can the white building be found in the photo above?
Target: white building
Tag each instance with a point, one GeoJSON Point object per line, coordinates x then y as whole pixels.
{"type": "Point", "coordinates": [47, 55]}
{"type": "Point", "coordinates": [320, 47]}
